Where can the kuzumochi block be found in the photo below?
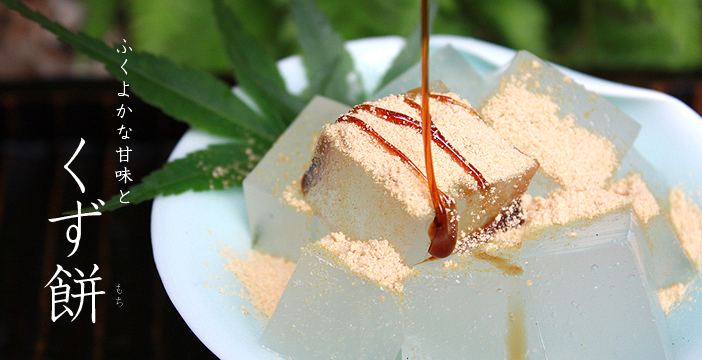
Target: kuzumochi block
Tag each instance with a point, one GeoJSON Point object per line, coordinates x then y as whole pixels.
{"type": "Point", "coordinates": [361, 188]}
{"type": "Point", "coordinates": [475, 308]}
{"type": "Point", "coordinates": [328, 311]}
{"type": "Point", "coordinates": [550, 117]}
{"type": "Point", "coordinates": [664, 257]}
{"type": "Point", "coordinates": [279, 220]}
{"type": "Point", "coordinates": [590, 294]}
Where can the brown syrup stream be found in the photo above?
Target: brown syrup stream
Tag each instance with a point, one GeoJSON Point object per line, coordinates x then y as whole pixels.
{"type": "Point", "coordinates": [516, 331]}
{"type": "Point", "coordinates": [440, 140]}
{"type": "Point", "coordinates": [443, 231]}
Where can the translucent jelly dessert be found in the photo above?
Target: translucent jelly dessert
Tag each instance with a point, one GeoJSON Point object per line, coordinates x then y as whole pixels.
{"type": "Point", "coordinates": [448, 66]}
{"type": "Point", "coordinates": [333, 308]}
{"type": "Point", "coordinates": [664, 256]}
{"type": "Point", "coordinates": [471, 306]}
{"type": "Point", "coordinates": [577, 291]}
{"type": "Point", "coordinates": [578, 137]}
{"type": "Point", "coordinates": [356, 300]}
{"type": "Point", "coordinates": [272, 189]}
{"type": "Point", "coordinates": [589, 292]}
{"type": "Point", "coordinates": [578, 278]}
{"type": "Point", "coordinates": [369, 165]}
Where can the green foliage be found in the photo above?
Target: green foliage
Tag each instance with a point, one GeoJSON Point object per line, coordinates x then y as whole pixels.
{"type": "Point", "coordinates": [101, 15]}
{"type": "Point", "coordinates": [258, 74]}
{"type": "Point", "coordinates": [357, 19]}
{"type": "Point", "coordinates": [205, 102]}
{"type": "Point", "coordinates": [268, 21]}
{"type": "Point", "coordinates": [523, 23]}
{"type": "Point", "coordinates": [184, 31]}
{"type": "Point", "coordinates": [624, 33]}
{"type": "Point", "coordinates": [631, 35]}
{"type": "Point", "coordinates": [187, 94]}
{"type": "Point", "coordinates": [612, 34]}
{"type": "Point", "coordinates": [329, 67]}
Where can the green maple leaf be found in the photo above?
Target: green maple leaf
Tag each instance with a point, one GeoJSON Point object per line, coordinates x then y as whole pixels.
{"type": "Point", "coordinates": [185, 93]}
{"type": "Point", "coordinates": [255, 69]}
{"type": "Point", "coordinates": [329, 66]}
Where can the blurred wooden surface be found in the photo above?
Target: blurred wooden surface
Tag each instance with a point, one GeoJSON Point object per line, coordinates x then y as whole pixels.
{"type": "Point", "coordinates": [40, 127]}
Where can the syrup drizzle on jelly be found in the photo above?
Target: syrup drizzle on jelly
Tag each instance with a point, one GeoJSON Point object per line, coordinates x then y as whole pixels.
{"type": "Point", "coordinates": [443, 230]}
{"type": "Point", "coordinates": [399, 118]}
{"type": "Point", "coordinates": [436, 136]}
{"type": "Point", "coordinates": [440, 140]}
{"type": "Point", "coordinates": [442, 244]}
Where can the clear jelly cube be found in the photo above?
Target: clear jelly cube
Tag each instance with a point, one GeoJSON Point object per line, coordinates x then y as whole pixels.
{"type": "Point", "coordinates": [588, 110]}
{"type": "Point", "coordinates": [277, 227]}
{"type": "Point", "coordinates": [329, 312]}
{"type": "Point", "coordinates": [665, 258]}
{"type": "Point", "coordinates": [589, 292]}
{"type": "Point", "coordinates": [446, 65]}
{"type": "Point", "coordinates": [474, 309]}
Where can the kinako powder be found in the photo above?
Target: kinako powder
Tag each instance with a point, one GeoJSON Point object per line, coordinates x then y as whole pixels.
{"type": "Point", "coordinates": [263, 276]}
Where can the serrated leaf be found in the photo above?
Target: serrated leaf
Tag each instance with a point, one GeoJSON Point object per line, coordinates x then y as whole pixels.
{"type": "Point", "coordinates": [185, 93]}
{"type": "Point", "coordinates": [329, 66]}
{"type": "Point", "coordinates": [410, 53]}
{"type": "Point", "coordinates": [220, 166]}
{"type": "Point", "coordinates": [255, 69]}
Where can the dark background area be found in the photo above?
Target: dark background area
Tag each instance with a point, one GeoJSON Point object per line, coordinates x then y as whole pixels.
{"type": "Point", "coordinates": [48, 101]}
{"type": "Point", "coordinates": [41, 126]}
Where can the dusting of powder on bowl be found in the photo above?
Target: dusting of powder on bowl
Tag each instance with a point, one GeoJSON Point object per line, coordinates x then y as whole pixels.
{"type": "Point", "coordinates": [263, 276]}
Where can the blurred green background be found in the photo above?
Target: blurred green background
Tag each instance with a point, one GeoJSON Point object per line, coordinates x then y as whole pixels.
{"type": "Point", "coordinates": [650, 35]}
